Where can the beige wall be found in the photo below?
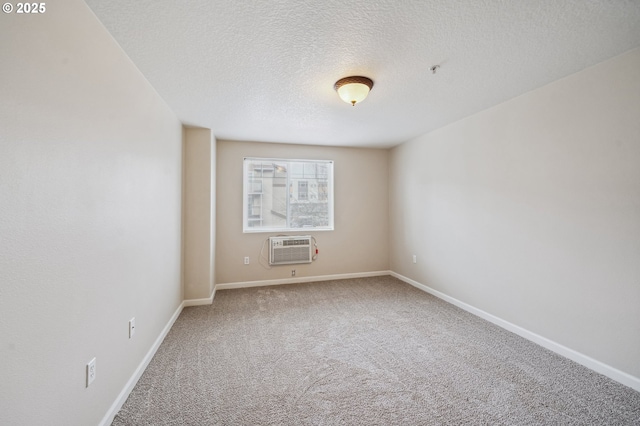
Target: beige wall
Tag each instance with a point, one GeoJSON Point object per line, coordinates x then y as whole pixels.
{"type": "Point", "coordinates": [90, 189]}
{"type": "Point", "coordinates": [359, 241]}
{"type": "Point", "coordinates": [530, 211]}
{"type": "Point", "coordinates": [199, 212]}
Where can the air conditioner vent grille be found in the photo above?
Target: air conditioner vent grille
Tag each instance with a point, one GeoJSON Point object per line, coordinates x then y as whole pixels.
{"type": "Point", "coordinates": [296, 242]}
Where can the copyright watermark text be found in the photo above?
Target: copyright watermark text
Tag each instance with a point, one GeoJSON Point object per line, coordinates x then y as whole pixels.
{"type": "Point", "coordinates": [24, 8]}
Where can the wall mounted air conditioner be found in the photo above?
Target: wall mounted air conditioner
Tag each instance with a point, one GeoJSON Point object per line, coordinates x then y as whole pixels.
{"type": "Point", "coordinates": [288, 250]}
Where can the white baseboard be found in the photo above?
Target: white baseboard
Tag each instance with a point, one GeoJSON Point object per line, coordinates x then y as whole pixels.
{"type": "Point", "coordinates": [296, 280]}
{"type": "Point", "coordinates": [198, 302]}
{"type": "Point", "coordinates": [124, 394]}
{"type": "Point", "coordinates": [593, 364]}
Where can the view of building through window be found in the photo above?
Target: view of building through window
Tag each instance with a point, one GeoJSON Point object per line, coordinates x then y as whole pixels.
{"type": "Point", "coordinates": [287, 194]}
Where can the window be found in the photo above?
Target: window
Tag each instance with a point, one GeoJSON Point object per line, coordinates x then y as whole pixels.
{"type": "Point", "coordinates": [287, 195]}
{"type": "Point", "coordinates": [303, 193]}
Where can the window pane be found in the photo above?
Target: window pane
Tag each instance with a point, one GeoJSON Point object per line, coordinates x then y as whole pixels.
{"type": "Point", "coordinates": [279, 194]}
{"type": "Point", "coordinates": [287, 195]}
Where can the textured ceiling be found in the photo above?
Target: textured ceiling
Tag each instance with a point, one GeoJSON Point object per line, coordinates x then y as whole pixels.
{"type": "Point", "coordinates": [264, 70]}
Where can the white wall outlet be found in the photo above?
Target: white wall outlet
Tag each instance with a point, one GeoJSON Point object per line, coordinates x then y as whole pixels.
{"type": "Point", "coordinates": [91, 371]}
{"type": "Point", "coordinates": [132, 327]}
{"type": "Point", "coordinates": [415, 259]}
{"type": "Point", "coordinates": [246, 260]}
{"type": "Point", "coordinates": [293, 272]}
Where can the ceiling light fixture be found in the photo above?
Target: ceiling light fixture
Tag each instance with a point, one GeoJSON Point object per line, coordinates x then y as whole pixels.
{"type": "Point", "coordinates": [353, 89]}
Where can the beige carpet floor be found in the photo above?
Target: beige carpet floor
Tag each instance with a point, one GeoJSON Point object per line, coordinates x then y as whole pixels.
{"type": "Point", "coordinates": [370, 351]}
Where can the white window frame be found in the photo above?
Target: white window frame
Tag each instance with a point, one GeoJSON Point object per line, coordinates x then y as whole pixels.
{"type": "Point", "coordinates": [246, 193]}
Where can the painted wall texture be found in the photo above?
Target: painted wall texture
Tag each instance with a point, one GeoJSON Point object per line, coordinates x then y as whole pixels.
{"type": "Point", "coordinates": [90, 212]}
{"type": "Point", "coordinates": [199, 148]}
{"type": "Point", "coordinates": [530, 211]}
{"type": "Point", "coordinates": [359, 241]}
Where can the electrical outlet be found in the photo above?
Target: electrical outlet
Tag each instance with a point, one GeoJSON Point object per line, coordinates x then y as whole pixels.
{"type": "Point", "coordinates": [246, 260]}
{"type": "Point", "coordinates": [415, 259]}
{"type": "Point", "coordinates": [132, 327]}
{"type": "Point", "coordinates": [293, 272]}
{"type": "Point", "coordinates": [91, 371]}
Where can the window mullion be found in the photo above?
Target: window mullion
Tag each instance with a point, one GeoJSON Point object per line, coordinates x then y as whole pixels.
{"type": "Point", "coordinates": [288, 195]}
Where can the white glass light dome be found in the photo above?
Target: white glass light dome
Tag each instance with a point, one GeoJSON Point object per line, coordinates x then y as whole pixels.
{"type": "Point", "coordinates": [353, 90]}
